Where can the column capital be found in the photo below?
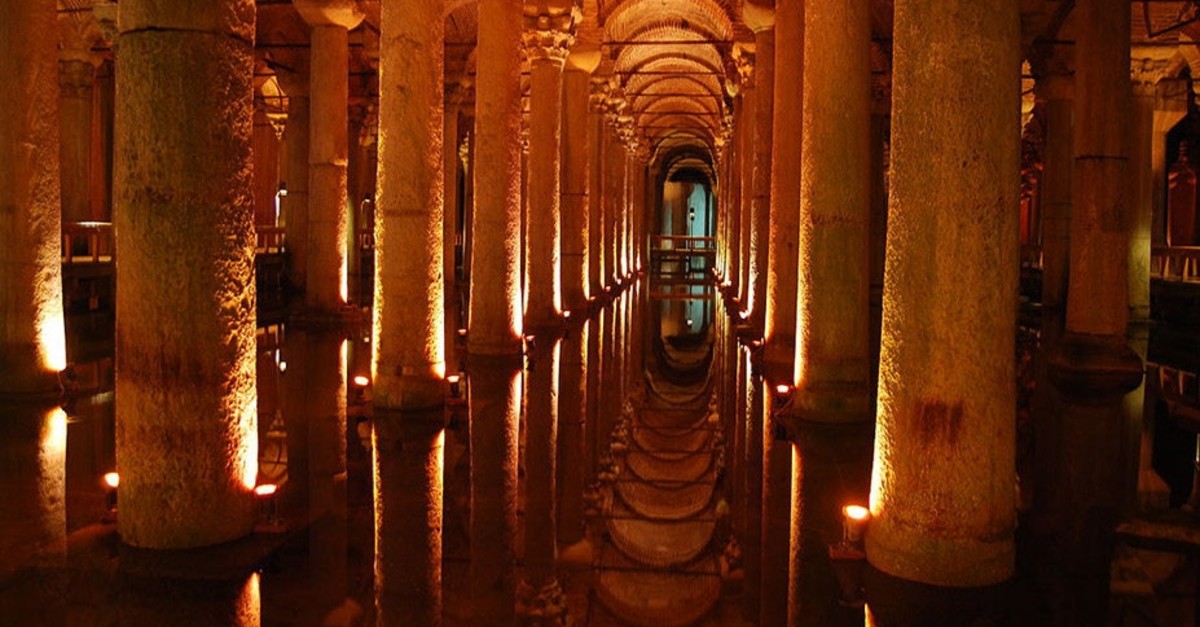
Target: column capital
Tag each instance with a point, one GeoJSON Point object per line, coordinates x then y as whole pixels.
{"type": "Point", "coordinates": [597, 93]}
{"type": "Point", "coordinates": [1146, 71]}
{"type": "Point", "coordinates": [78, 32]}
{"type": "Point", "coordinates": [345, 13]}
{"type": "Point", "coordinates": [105, 12]}
{"type": "Point", "coordinates": [548, 36]}
{"type": "Point", "coordinates": [743, 58]}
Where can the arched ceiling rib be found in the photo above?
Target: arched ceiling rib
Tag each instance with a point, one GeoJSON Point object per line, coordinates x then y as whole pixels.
{"type": "Point", "coordinates": [670, 59]}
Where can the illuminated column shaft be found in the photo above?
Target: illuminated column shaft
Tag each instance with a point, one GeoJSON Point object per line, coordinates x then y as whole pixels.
{"type": "Point", "coordinates": [760, 211]}
{"type": "Point", "coordinates": [576, 210]}
{"type": "Point", "coordinates": [613, 196]}
{"type": "Point", "coordinates": [409, 353]}
{"type": "Point", "coordinates": [547, 50]}
{"type": "Point", "coordinates": [733, 205]}
{"type": "Point", "coordinates": [294, 206]}
{"type": "Point", "coordinates": [495, 319]}
{"type": "Point", "coordinates": [187, 432]}
{"type": "Point", "coordinates": [32, 341]}
{"type": "Point", "coordinates": [331, 20]}
{"type": "Point", "coordinates": [783, 255]}
{"type": "Point", "coordinates": [595, 201]}
{"type": "Point", "coordinates": [1055, 190]}
{"type": "Point", "coordinates": [451, 163]}
{"type": "Point", "coordinates": [943, 482]}
{"type": "Point", "coordinates": [746, 179]}
{"type": "Point", "coordinates": [76, 78]}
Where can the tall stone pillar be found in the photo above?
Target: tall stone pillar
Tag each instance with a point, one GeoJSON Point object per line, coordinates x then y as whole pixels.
{"type": "Point", "coordinates": [747, 125]}
{"type": "Point", "coordinates": [326, 283]}
{"type": "Point", "coordinates": [596, 190]}
{"type": "Point", "coordinates": [732, 192]}
{"type": "Point", "coordinates": [763, 23]}
{"type": "Point", "coordinates": [780, 305]}
{"type": "Point", "coordinates": [1156, 110]}
{"type": "Point", "coordinates": [614, 171]}
{"type": "Point", "coordinates": [1054, 87]}
{"type": "Point", "coordinates": [495, 318]}
{"type": "Point", "coordinates": [942, 490]}
{"type": "Point", "coordinates": [294, 206]}
{"type": "Point", "coordinates": [1092, 366]}
{"type": "Point", "coordinates": [576, 189]}
{"type": "Point", "coordinates": [76, 77]}
{"type": "Point", "coordinates": [32, 338]}
{"type": "Point", "coordinates": [409, 359]}
{"type": "Point", "coordinates": [187, 429]}
{"type": "Point", "coordinates": [451, 165]}
{"type": "Point", "coordinates": [547, 40]}
{"type": "Point", "coordinates": [833, 407]}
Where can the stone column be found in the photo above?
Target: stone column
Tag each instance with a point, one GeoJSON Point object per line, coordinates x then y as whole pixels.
{"type": "Point", "coordinates": [32, 339]}
{"type": "Point", "coordinates": [1156, 112]}
{"type": "Point", "coordinates": [780, 305]}
{"type": "Point", "coordinates": [763, 23]}
{"type": "Point", "coordinates": [76, 76]}
{"type": "Point", "coordinates": [833, 407]}
{"type": "Point", "coordinates": [748, 123]}
{"type": "Point", "coordinates": [294, 206]}
{"type": "Point", "coordinates": [732, 188]}
{"type": "Point", "coordinates": [547, 40]}
{"type": "Point", "coordinates": [596, 180]}
{"type": "Point", "coordinates": [450, 216]}
{"type": "Point", "coordinates": [326, 284]}
{"type": "Point", "coordinates": [1054, 88]}
{"type": "Point", "coordinates": [1093, 367]}
{"type": "Point", "coordinates": [942, 491]}
{"type": "Point", "coordinates": [614, 171]}
{"type": "Point", "coordinates": [576, 191]}
{"type": "Point", "coordinates": [495, 318]}
{"type": "Point", "coordinates": [409, 359]}
{"type": "Point", "coordinates": [187, 428]}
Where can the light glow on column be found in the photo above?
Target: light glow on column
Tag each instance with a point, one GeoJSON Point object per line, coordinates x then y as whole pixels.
{"type": "Point", "coordinates": [52, 337]}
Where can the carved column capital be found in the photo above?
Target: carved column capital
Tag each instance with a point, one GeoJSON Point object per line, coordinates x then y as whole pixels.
{"type": "Point", "coordinates": [1144, 74]}
{"type": "Point", "coordinates": [548, 36]}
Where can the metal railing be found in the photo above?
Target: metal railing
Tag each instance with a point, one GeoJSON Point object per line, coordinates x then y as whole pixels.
{"type": "Point", "coordinates": [689, 243]}
{"type": "Point", "coordinates": [87, 242]}
{"type": "Point", "coordinates": [271, 239]}
{"type": "Point", "coordinates": [1175, 263]}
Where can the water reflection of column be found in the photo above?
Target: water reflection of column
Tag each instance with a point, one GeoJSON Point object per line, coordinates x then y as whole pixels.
{"type": "Point", "coordinates": [324, 410]}
{"type": "Point", "coordinates": [32, 339]}
{"type": "Point", "coordinates": [495, 402]}
{"type": "Point", "coordinates": [594, 391]}
{"type": "Point", "coordinates": [945, 433]}
{"type": "Point", "coordinates": [541, 451]}
{"type": "Point", "coordinates": [408, 364]}
{"type": "Point", "coordinates": [610, 401]}
{"type": "Point", "coordinates": [187, 429]}
{"type": "Point", "coordinates": [33, 521]}
{"type": "Point", "coordinates": [573, 452]}
{"type": "Point", "coordinates": [188, 603]}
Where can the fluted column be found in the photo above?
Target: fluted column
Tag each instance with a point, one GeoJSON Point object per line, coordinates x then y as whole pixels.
{"type": "Point", "coordinates": [409, 317]}
{"type": "Point", "coordinates": [187, 428]}
{"type": "Point", "coordinates": [942, 490]}
{"type": "Point", "coordinates": [32, 339]}
{"type": "Point", "coordinates": [326, 283]}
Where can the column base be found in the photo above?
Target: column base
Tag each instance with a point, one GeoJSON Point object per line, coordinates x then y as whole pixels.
{"type": "Point", "coordinates": [1094, 369]}
{"type": "Point", "coordinates": [897, 602]}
